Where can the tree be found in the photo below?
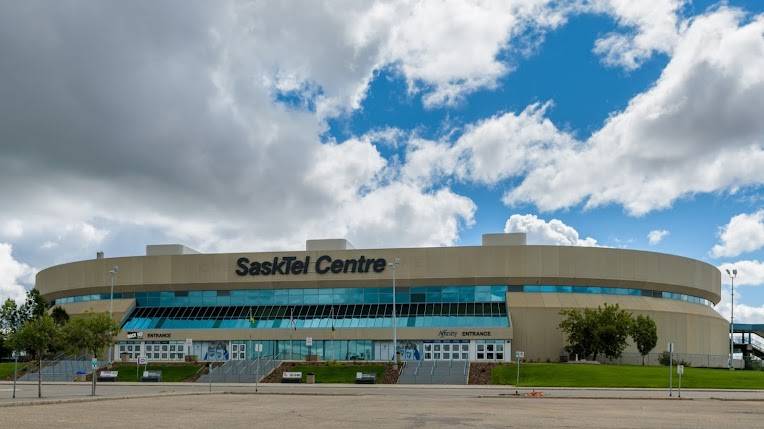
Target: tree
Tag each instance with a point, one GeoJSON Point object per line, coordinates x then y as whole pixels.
{"type": "Point", "coordinates": [594, 331]}
{"type": "Point", "coordinates": [579, 326]}
{"type": "Point", "coordinates": [91, 333]}
{"type": "Point", "coordinates": [9, 317]}
{"type": "Point", "coordinates": [37, 336]}
{"type": "Point", "coordinates": [645, 335]}
{"type": "Point", "coordinates": [34, 306]}
{"type": "Point", "coordinates": [9, 323]}
{"type": "Point", "coordinates": [613, 328]}
{"type": "Point", "coordinates": [60, 316]}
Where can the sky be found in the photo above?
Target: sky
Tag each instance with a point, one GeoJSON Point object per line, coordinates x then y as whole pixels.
{"type": "Point", "coordinates": [243, 126]}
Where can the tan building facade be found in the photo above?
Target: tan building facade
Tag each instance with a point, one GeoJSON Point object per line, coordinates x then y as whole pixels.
{"type": "Point", "coordinates": [458, 302]}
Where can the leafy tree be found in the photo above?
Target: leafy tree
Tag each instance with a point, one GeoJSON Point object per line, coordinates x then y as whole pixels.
{"type": "Point", "coordinates": [90, 334]}
{"type": "Point", "coordinates": [9, 317]}
{"type": "Point", "coordinates": [60, 316]}
{"type": "Point", "coordinates": [38, 337]}
{"type": "Point", "coordinates": [34, 306]}
{"type": "Point", "coordinates": [594, 331]}
{"type": "Point", "coordinates": [645, 335]}
{"type": "Point", "coordinates": [579, 327]}
{"type": "Point", "coordinates": [613, 328]}
{"type": "Point", "coordinates": [9, 323]}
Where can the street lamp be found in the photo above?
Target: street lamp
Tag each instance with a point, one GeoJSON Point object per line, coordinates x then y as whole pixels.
{"type": "Point", "coordinates": [113, 274]}
{"type": "Point", "coordinates": [394, 265]}
{"type": "Point", "coordinates": [732, 274]}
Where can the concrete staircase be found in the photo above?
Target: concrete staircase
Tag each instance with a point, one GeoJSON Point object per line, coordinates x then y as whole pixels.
{"type": "Point", "coordinates": [435, 372]}
{"type": "Point", "coordinates": [62, 370]}
{"type": "Point", "coordinates": [240, 371]}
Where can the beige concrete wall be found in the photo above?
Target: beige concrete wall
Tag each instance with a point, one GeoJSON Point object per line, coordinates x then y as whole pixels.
{"type": "Point", "coordinates": [121, 309]}
{"type": "Point", "coordinates": [694, 328]}
{"type": "Point", "coordinates": [419, 266]}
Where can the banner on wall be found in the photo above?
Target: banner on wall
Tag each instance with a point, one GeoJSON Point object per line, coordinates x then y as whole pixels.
{"type": "Point", "coordinates": [215, 350]}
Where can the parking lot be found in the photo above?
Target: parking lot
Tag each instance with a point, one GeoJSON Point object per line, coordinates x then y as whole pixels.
{"type": "Point", "coordinates": [390, 407]}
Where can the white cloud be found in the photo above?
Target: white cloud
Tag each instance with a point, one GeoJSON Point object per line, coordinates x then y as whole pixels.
{"type": "Point", "coordinates": [49, 245]}
{"type": "Point", "coordinates": [703, 111]}
{"type": "Point", "coordinates": [14, 275]}
{"type": "Point", "coordinates": [447, 49]}
{"type": "Point", "coordinates": [490, 150]}
{"type": "Point", "coordinates": [11, 229]}
{"type": "Point", "coordinates": [749, 272]}
{"type": "Point", "coordinates": [744, 313]}
{"type": "Point", "coordinates": [656, 236]}
{"type": "Point", "coordinates": [539, 231]}
{"type": "Point", "coordinates": [744, 233]}
{"type": "Point", "coordinates": [654, 27]}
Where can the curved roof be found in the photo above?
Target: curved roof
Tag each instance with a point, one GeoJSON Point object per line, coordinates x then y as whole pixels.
{"type": "Point", "coordinates": [521, 264]}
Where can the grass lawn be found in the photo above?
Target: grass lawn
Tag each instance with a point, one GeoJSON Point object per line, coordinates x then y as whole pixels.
{"type": "Point", "coordinates": [170, 372]}
{"type": "Point", "coordinates": [338, 373]}
{"type": "Point", "coordinates": [583, 375]}
{"type": "Point", "coordinates": [6, 370]}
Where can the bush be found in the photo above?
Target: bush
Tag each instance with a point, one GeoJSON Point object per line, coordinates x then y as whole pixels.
{"type": "Point", "coordinates": [664, 360]}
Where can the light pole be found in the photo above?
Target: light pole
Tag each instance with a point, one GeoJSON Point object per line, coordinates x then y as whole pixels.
{"type": "Point", "coordinates": [113, 274]}
{"type": "Point", "coordinates": [732, 274]}
{"type": "Point", "coordinates": [394, 266]}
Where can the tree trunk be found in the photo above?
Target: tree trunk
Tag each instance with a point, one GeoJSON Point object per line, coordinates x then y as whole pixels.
{"type": "Point", "coordinates": [643, 360]}
{"type": "Point", "coordinates": [39, 378]}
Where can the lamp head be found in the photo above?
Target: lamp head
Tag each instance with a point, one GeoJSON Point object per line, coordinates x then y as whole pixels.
{"type": "Point", "coordinates": [734, 271]}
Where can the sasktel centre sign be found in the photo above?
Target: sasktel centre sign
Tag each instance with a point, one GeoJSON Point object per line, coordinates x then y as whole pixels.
{"type": "Point", "coordinates": [287, 265]}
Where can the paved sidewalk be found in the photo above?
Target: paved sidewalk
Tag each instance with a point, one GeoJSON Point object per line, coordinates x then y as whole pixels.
{"type": "Point", "coordinates": [57, 391]}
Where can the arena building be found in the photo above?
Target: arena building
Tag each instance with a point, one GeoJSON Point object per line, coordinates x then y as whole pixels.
{"type": "Point", "coordinates": [476, 303]}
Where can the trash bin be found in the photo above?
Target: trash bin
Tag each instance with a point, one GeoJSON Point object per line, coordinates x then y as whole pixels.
{"type": "Point", "coordinates": [310, 378]}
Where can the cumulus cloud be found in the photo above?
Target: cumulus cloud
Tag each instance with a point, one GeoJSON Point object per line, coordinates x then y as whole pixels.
{"type": "Point", "coordinates": [656, 236]}
{"type": "Point", "coordinates": [15, 276]}
{"type": "Point", "coordinates": [702, 111]}
{"type": "Point", "coordinates": [539, 231]}
{"type": "Point", "coordinates": [744, 233]}
{"type": "Point", "coordinates": [651, 27]}
{"type": "Point", "coordinates": [749, 272]}
{"type": "Point", "coordinates": [744, 313]}
{"type": "Point", "coordinates": [491, 150]}
{"type": "Point", "coordinates": [180, 130]}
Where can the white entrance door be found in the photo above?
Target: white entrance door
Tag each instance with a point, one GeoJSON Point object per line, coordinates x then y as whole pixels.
{"type": "Point", "coordinates": [446, 351]}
